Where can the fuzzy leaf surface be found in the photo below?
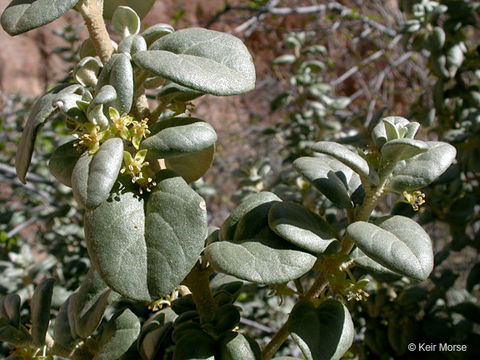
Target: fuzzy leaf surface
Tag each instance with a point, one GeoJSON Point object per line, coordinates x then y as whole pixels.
{"type": "Point", "coordinates": [204, 60]}
{"type": "Point", "coordinates": [192, 167]}
{"type": "Point", "coordinates": [90, 303]}
{"type": "Point", "coordinates": [227, 231]}
{"type": "Point", "coordinates": [63, 161]}
{"type": "Point", "coordinates": [179, 137]}
{"type": "Point", "coordinates": [41, 111]}
{"type": "Point", "coordinates": [421, 170]}
{"type": "Point", "coordinates": [344, 155]}
{"type": "Point", "coordinates": [93, 177]}
{"type": "Point", "coordinates": [403, 149]}
{"type": "Point", "coordinates": [323, 333]}
{"type": "Point", "coordinates": [175, 232]}
{"type": "Point", "coordinates": [301, 227]}
{"type": "Point", "coordinates": [114, 233]}
{"type": "Point", "coordinates": [235, 346]}
{"type": "Point", "coordinates": [23, 15]}
{"type": "Point", "coordinates": [118, 335]}
{"type": "Point", "coordinates": [266, 260]}
{"type": "Point", "coordinates": [335, 180]}
{"type": "Point", "coordinates": [396, 242]}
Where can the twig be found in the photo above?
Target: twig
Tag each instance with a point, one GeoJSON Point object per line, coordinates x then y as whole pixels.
{"type": "Point", "coordinates": [257, 325]}
{"type": "Point", "coordinates": [301, 10]}
{"type": "Point", "coordinates": [92, 14]}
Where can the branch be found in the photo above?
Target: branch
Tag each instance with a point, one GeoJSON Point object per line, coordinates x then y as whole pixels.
{"type": "Point", "coordinates": [303, 10]}
{"type": "Point", "coordinates": [91, 12]}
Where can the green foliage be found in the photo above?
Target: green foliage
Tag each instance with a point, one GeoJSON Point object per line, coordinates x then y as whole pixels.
{"type": "Point", "coordinates": [130, 164]}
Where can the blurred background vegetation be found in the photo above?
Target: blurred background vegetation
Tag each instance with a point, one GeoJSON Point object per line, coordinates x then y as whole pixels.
{"type": "Point", "coordinates": [326, 70]}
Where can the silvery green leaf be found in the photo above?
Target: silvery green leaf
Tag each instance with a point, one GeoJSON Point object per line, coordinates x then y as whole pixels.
{"type": "Point", "coordinates": [335, 180]}
{"type": "Point", "coordinates": [96, 115]}
{"type": "Point", "coordinates": [41, 111]}
{"type": "Point", "coordinates": [40, 306]}
{"type": "Point", "coordinates": [253, 221]}
{"type": "Point", "coordinates": [90, 303]}
{"type": "Point", "coordinates": [63, 161]}
{"type": "Point", "coordinates": [125, 21]}
{"type": "Point", "coordinates": [323, 333]}
{"type": "Point", "coordinates": [118, 335]}
{"type": "Point", "coordinates": [164, 241]}
{"type": "Point", "coordinates": [403, 149]}
{"type": "Point", "coordinates": [192, 167]}
{"type": "Point", "coordinates": [175, 232]}
{"type": "Point", "coordinates": [396, 242]}
{"type": "Point", "coordinates": [266, 260]}
{"type": "Point", "coordinates": [24, 15]}
{"type": "Point", "coordinates": [155, 335]}
{"type": "Point", "coordinates": [360, 259]}
{"type": "Point", "coordinates": [421, 170]}
{"type": "Point", "coordinates": [87, 71]}
{"type": "Point", "coordinates": [346, 156]}
{"type": "Point", "coordinates": [203, 60]}
{"type": "Point", "coordinates": [141, 7]}
{"type": "Point", "coordinates": [455, 56]}
{"type": "Point", "coordinates": [94, 175]}
{"type": "Point", "coordinates": [301, 227]}
{"type": "Point", "coordinates": [118, 73]}
{"type": "Point", "coordinates": [390, 123]}
{"type": "Point", "coordinates": [437, 38]}
{"type": "Point", "coordinates": [235, 346]}
{"type": "Point", "coordinates": [177, 92]}
{"type": "Point", "coordinates": [132, 44]}
{"type": "Point", "coordinates": [155, 32]}
{"type": "Point", "coordinates": [114, 233]}
{"type": "Point", "coordinates": [178, 137]}
{"type": "Point", "coordinates": [228, 228]}
{"type": "Point", "coordinates": [284, 59]}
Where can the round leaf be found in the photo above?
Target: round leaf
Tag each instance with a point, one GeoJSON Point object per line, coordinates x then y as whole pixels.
{"type": "Point", "coordinates": [125, 21]}
{"type": "Point", "coordinates": [118, 335]}
{"type": "Point", "coordinates": [267, 260]}
{"type": "Point", "coordinates": [228, 228]}
{"type": "Point", "coordinates": [423, 169]}
{"type": "Point", "coordinates": [402, 149]}
{"type": "Point", "coordinates": [396, 242]}
{"type": "Point", "coordinates": [140, 7]}
{"type": "Point", "coordinates": [93, 177]}
{"type": "Point", "coordinates": [156, 31]}
{"type": "Point", "coordinates": [346, 156]}
{"type": "Point", "coordinates": [175, 232]}
{"type": "Point", "coordinates": [192, 167]}
{"type": "Point", "coordinates": [114, 232]}
{"type": "Point", "coordinates": [332, 178]}
{"type": "Point", "coordinates": [24, 15]}
{"type": "Point", "coordinates": [63, 161]}
{"type": "Point", "coordinates": [301, 227]}
{"type": "Point", "coordinates": [178, 137]}
{"type": "Point", "coordinates": [90, 304]}
{"type": "Point", "coordinates": [200, 59]}
{"type": "Point", "coordinates": [325, 332]}
{"type": "Point", "coordinates": [235, 346]}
